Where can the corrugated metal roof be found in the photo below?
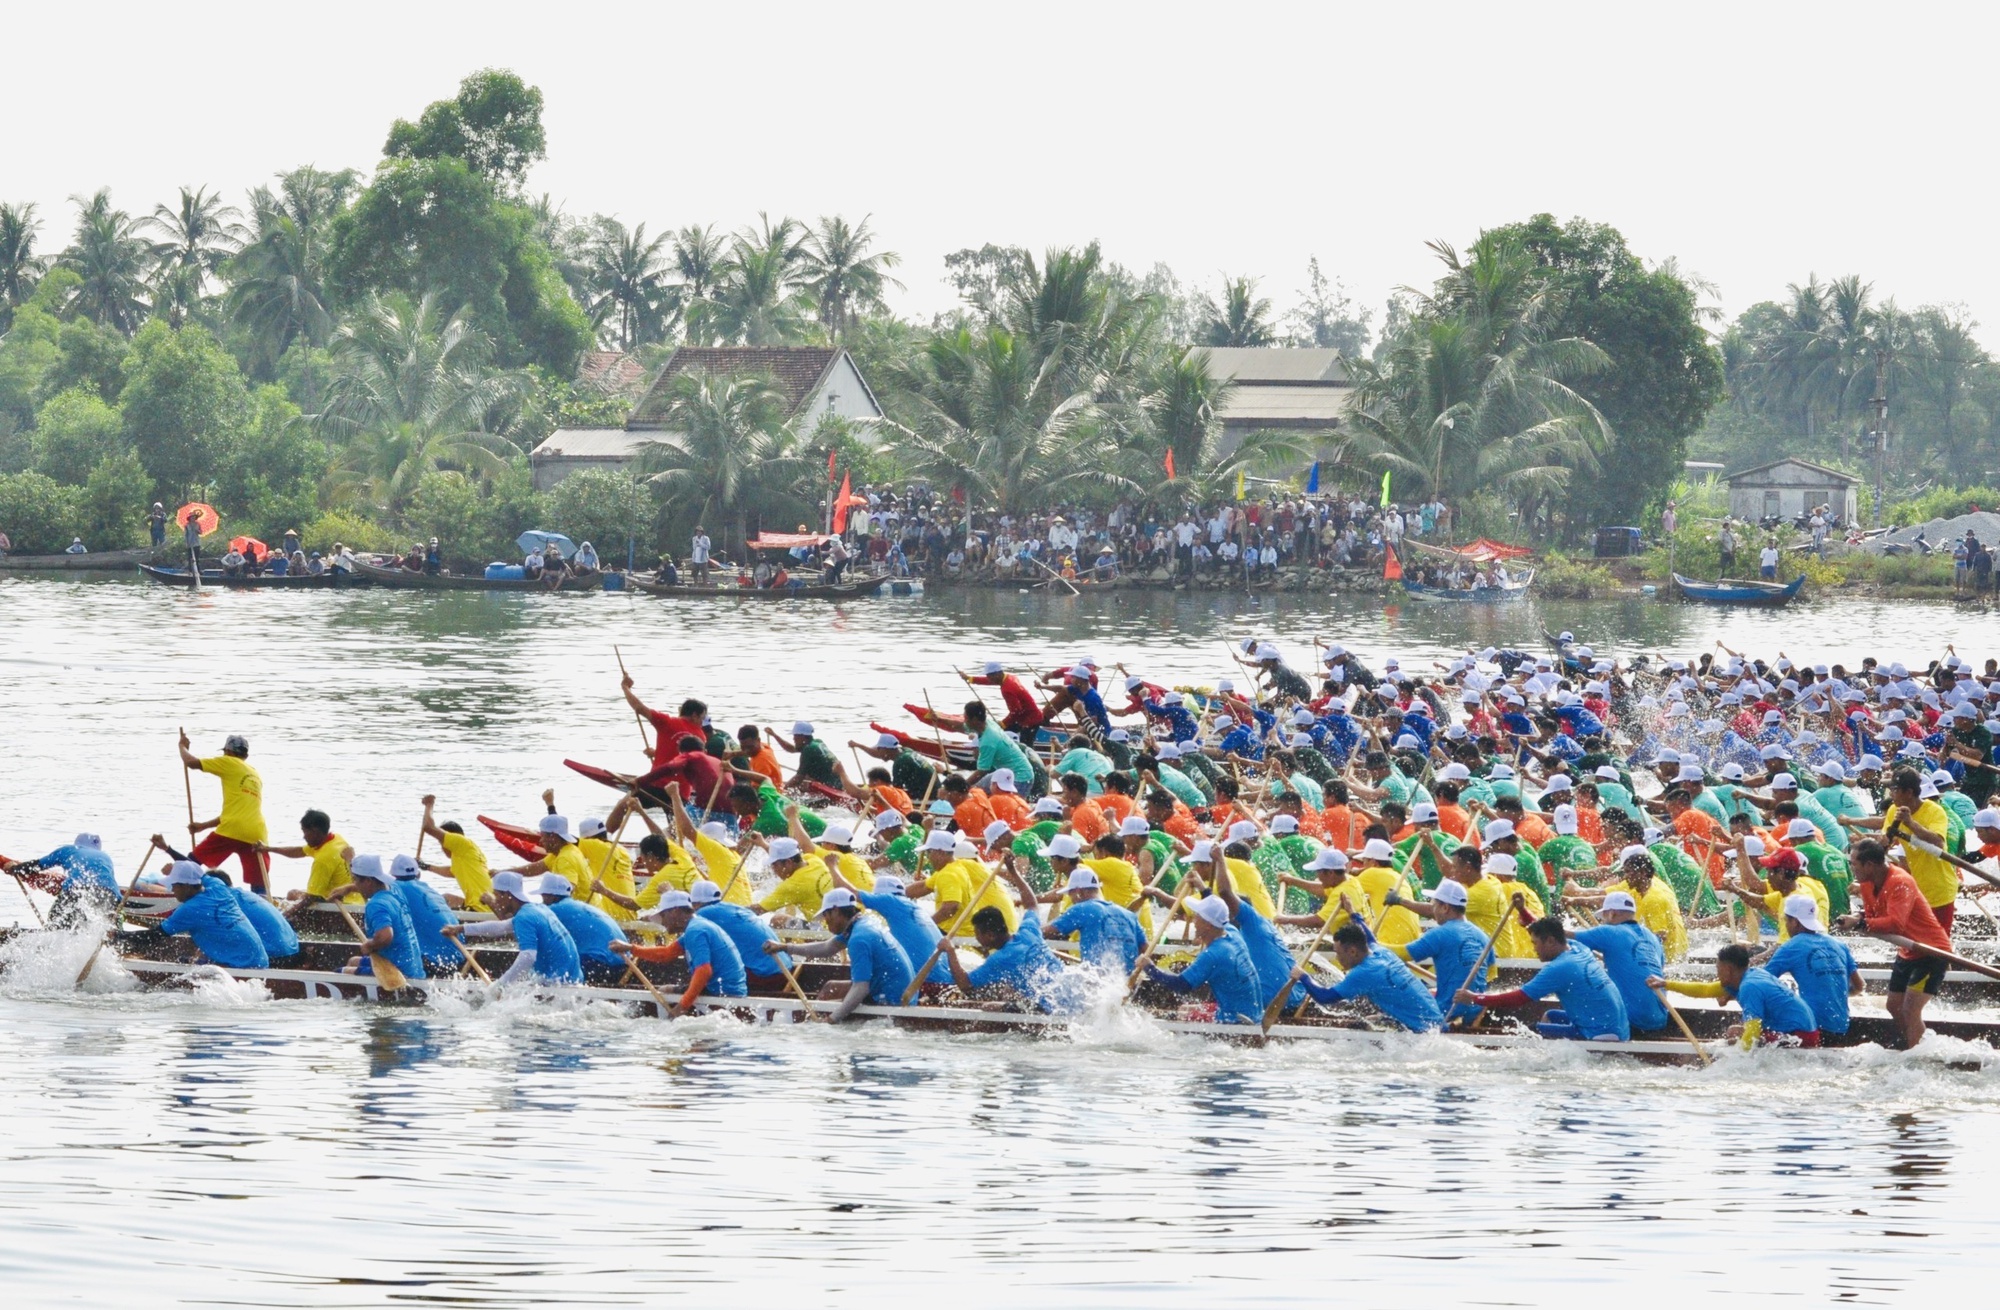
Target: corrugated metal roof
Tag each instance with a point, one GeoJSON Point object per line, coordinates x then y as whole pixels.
{"type": "Point", "coordinates": [1285, 405]}
{"type": "Point", "coordinates": [591, 443]}
{"type": "Point", "coordinates": [1283, 364]}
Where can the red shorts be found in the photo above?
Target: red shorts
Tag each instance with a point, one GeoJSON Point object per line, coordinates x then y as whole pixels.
{"type": "Point", "coordinates": [1945, 914]}
{"type": "Point", "coordinates": [215, 848]}
{"type": "Point", "coordinates": [1809, 1040]}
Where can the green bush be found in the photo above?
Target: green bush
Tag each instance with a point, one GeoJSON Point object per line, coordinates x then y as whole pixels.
{"type": "Point", "coordinates": [1560, 577]}
{"type": "Point", "coordinates": [38, 513]}
{"type": "Point", "coordinates": [74, 432]}
{"type": "Point", "coordinates": [446, 505]}
{"type": "Point", "coordinates": [351, 530]}
{"type": "Point", "coordinates": [1942, 503]}
{"type": "Point", "coordinates": [1910, 570]}
{"type": "Point", "coordinates": [112, 508]}
{"type": "Point", "coordinates": [605, 509]}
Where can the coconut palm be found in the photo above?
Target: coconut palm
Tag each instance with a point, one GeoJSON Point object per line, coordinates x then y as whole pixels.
{"type": "Point", "coordinates": [758, 299]}
{"type": "Point", "coordinates": [725, 452]}
{"type": "Point", "coordinates": [20, 267]}
{"type": "Point", "coordinates": [841, 276]}
{"type": "Point", "coordinates": [697, 270]}
{"type": "Point", "coordinates": [414, 391]}
{"type": "Point", "coordinates": [277, 282]}
{"type": "Point", "coordinates": [1183, 411]}
{"type": "Point", "coordinates": [1241, 319]}
{"type": "Point", "coordinates": [113, 260]}
{"type": "Point", "coordinates": [198, 235]}
{"type": "Point", "coordinates": [628, 282]}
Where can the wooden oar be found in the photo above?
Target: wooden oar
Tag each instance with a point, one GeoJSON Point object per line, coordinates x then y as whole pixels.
{"type": "Point", "coordinates": [386, 972]}
{"type": "Point", "coordinates": [944, 942]}
{"type": "Point", "coordinates": [792, 981]}
{"type": "Point", "coordinates": [645, 742]}
{"type": "Point", "coordinates": [1277, 1005]}
{"type": "Point", "coordinates": [1479, 964]}
{"type": "Point", "coordinates": [118, 923]}
{"type": "Point", "coordinates": [1950, 957]}
{"type": "Point", "coordinates": [187, 788]}
{"type": "Point", "coordinates": [21, 881]}
{"type": "Point", "coordinates": [667, 1007]}
{"type": "Point", "coordinates": [1687, 1032]}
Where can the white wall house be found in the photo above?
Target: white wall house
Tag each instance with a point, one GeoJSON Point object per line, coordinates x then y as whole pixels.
{"type": "Point", "coordinates": [1787, 488]}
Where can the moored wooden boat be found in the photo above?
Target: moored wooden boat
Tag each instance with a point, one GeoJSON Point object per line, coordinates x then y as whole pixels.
{"type": "Point", "coordinates": [1740, 591]}
{"type": "Point", "coordinates": [100, 561]}
{"type": "Point", "coordinates": [178, 577]}
{"type": "Point", "coordinates": [395, 575]}
{"type": "Point", "coordinates": [856, 589]}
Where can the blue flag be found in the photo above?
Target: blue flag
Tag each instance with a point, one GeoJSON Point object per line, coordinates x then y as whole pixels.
{"type": "Point", "coordinates": [1312, 483]}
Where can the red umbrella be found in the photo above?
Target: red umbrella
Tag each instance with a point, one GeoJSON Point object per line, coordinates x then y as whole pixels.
{"type": "Point", "coordinates": [250, 546]}
{"type": "Point", "coordinates": [205, 515]}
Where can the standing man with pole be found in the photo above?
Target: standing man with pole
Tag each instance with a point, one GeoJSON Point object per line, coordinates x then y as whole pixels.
{"type": "Point", "coordinates": [240, 830]}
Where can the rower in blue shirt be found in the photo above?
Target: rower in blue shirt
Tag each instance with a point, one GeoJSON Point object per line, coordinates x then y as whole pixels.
{"type": "Point", "coordinates": [1823, 968]}
{"type": "Point", "coordinates": [1022, 963]}
{"type": "Point", "coordinates": [1591, 1009]}
{"type": "Point", "coordinates": [1372, 973]}
{"type": "Point", "coordinates": [1772, 1012]}
{"type": "Point", "coordinates": [209, 914]}
{"type": "Point", "coordinates": [1632, 955]}
{"type": "Point", "coordinates": [878, 969]}
{"type": "Point", "coordinates": [1453, 947]}
{"type": "Point", "coordinates": [714, 967]}
{"type": "Point", "coordinates": [1108, 936]}
{"type": "Point", "coordinates": [429, 915]}
{"type": "Point", "coordinates": [1172, 708]}
{"type": "Point", "coordinates": [1268, 952]}
{"type": "Point", "coordinates": [913, 930]}
{"type": "Point", "coordinates": [390, 934]}
{"type": "Point", "coordinates": [1224, 965]}
{"type": "Point", "coordinates": [746, 932]}
{"type": "Point", "coordinates": [281, 940]}
{"type": "Point", "coordinates": [590, 928]}
{"type": "Point", "coordinates": [89, 886]}
{"type": "Point", "coordinates": [545, 950]}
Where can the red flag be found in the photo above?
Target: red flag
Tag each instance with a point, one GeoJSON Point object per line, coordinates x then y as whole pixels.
{"type": "Point", "coordinates": [1392, 568]}
{"type": "Point", "coordinates": [845, 501]}
{"type": "Point", "coordinates": [1170, 466]}
{"type": "Point", "coordinates": [831, 455]}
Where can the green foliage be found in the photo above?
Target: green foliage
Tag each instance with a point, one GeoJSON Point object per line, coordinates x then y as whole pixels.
{"type": "Point", "coordinates": [31, 349]}
{"type": "Point", "coordinates": [1942, 503]}
{"type": "Point", "coordinates": [339, 526]}
{"type": "Point", "coordinates": [75, 431]}
{"type": "Point", "coordinates": [433, 226]}
{"type": "Point", "coordinates": [725, 455]}
{"type": "Point", "coordinates": [92, 357]}
{"type": "Point", "coordinates": [1562, 577]}
{"type": "Point", "coordinates": [1908, 572]}
{"type": "Point", "coordinates": [447, 505]}
{"type": "Point", "coordinates": [185, 404]}
{"type": "Point", "coordinates": [494, 125]}
{"type": "Point", "coordinates": [38, 513]}
{"type": "Point", "coordinates": [112, 510]}
{"type": "Point", "coordinates": [604, 508]}
{"type": "Point", "coordinates": [512, 507]}
{"type": "Point", "coordinates": [267, 481]}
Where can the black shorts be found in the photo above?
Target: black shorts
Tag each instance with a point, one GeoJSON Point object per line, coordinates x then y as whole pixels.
{"type": "Point", "coordinates": [1924, 974]}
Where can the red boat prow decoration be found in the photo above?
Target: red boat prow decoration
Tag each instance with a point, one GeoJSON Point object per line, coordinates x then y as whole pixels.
{"type": "Point", "coordinates": [930, 718]}
{"type": "Point", "coordinates": [620, 781]}
{"type": "Point", "coordinates": [962, 752]}
{"type": "Point", "coordinates": [524, 842]}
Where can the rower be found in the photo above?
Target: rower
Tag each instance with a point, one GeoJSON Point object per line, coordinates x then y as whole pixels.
{"type": "Point", "coordinates": [429, 916]}
{"type": "Point", "coordinates": [1822, 967]}
{"type": "Point", "coordinates": [1453, 947]}
{"type": "Point", "coordinates": [1784, 877]}
{"type": "Point", "coordinates": [908, 924]}
{"type": "Point", "coordinates": [545, 950]}
{"type": "Point", "coordinates": [331, 858]}
{"type": "Point", "coordinates": [281, 940]}
{"type": "Point", "coordinates": [877, 966]}
{"type": "Point", "coordinates": [594, 932]}
{"type": "Point", "coordinates": [816, 760]}
{"type": "Point", "coordinates": [1224, 965]}
{"type": "Point", "coordinates": [1772, 1013]}
{"type": "Point", "coordinates": [1024, 713]}
{"type": "Point", "coordinates": [1109, 937]}
{"type": "Point", "coordinates": [996, 749]}
{"type": "Point", "coordinates": [1591, 1008]}
{"type": "Point", "coordinates": [746, 931]}
{"type": "Point", "coordinates": [714, 966]}
{"type": "Point", "coordinates": [559, 853]}
{"type": "Point", "coordinates": [1268, 952]}
{"type": "Point", "coordinates": [1892, 902]}
{"type": "Point", "coordinates": [90, 883]}
{"type": "Point", "coordinates": [610, 865]}
{"type": "Point", "coordinates": [1371, 972]}
{"type": "Point", "coordinates": [390, 934]}
{"type": "Point", "coordinates": [954, 875]}
{"type": "Point", "coordinates": [1019, 963]}
{"type": "Point", "coordinates": [1632, 955]}
{"type": "Point", "coordinates": [802, 880]}
{"type": "Point", "coordinates": [240, 830]}
{"type": "Point", "coordinates": [209, 912]}
{"type": "Point", "coordinates": [1005, 799]}
{"type": "Point", "coordinates": [668, 729]}
{"type": "Point", "coordinates": [468, 863]}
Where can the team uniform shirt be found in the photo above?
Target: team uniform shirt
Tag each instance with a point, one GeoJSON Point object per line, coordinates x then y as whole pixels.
{"type": "Point", "coordinates": [875, 957]}
{"type": "Point", "coordinates": [771, 816]}
{"type": "Point", "coordinates": [748, 933]}
{"type": "Point", "coordinates": [1248, 881]}
{"type": "Point", "coordinates": [1827, 867]}
{"type": "Point", "coordinates": [468, 869]}
{"type": "Point", "coordinates": [817, 763]}
{"type": "Point", "coordinates": [1453, 948]}
{"type": "Point", "coordinates": [1902, 908]}
{"type": "Point", "coordinates": [537, 929]}
{"type": "Point", "coordinates": [1821, 966]}
{"type": "Point", "coordinates": [1107, 935]}
{"type": "Point", "coordinates": [1225, 966]}
{"type": "Point", "coordinates": [591, 929]}
{"type": "Point", "coordinates": [1774, 905]}
{"type": "Point", "coordinates": [958, 880]}
{"type": "Point", "coordinates": [802, 889]}
{"type": "Point", "coordinates": [1660, 912]}
{"type": "Point", "coordinates": [329, 869]}
{"type": "Point", "coordinates": [1270, 955]}
{"type": "Point", "coordinates": [1935, 876]}
{"type": "Point", "coordinates": [676, 873]}
{"type": "Point", "coordinates": [1514, 942]}
{"type": "Point", "coordinates": [1181, 787]}
{"type": "Point", "coordinates": [1562, 855]}
{"type": "Point", "coordinates": [272, 928]}
{"type": "Point", "coordinates": [242, 799]}
{"type": "Point", "coordinates": [1119, 884]}
{"type": "Point", "coordinates": [386, 910]}
{"type": "Point", "coordinates": [1579, 983]}
{"type": "Point", "coordinates": [429, 916]}
{"type": "Point", "coordinates": [1769, 1002]}
{"type": "Point", "coordinates": [721, 863]}
{"type": "Point", "coordinates": [1090, 764]}
{"type": "Point", "coordinates": [611, 870]}
{"type": "Point", "coordinates": [999, 751]}
{"type": "Point", "coordinates": [704, 942]}
{"type": "Point", "coordinates": [913, 931]}
{"type": "Point", "coordinates": [568, 861]}
{"type": "Point", "coordinates": [1025, 964]}
{"type": "Point", "coordinates": [852, 867]}
{"type": "Point", "coordinates": [1386, 983]}
{"type": "Point", "coordinates": [1393, 926]}
{"type": "Point", "coordinates": [83, 868]}
{"type": "Point", "coordinates": [1632, 954]}
{"type": "Point", "coordinates": [215, 920]}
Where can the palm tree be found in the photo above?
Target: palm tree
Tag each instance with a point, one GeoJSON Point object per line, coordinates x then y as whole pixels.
{"type": "Point", "coordinates": [1241, 319]}
{"type": "Point", "coordinates": [726, 451]}
{"type": "Point", "coordinates": [697, 270]}
{"type": "Point", "coordinates": [414, 392]}
{"type": "Point", "coordinates": [199, 235]}
{"type": "Point", "coordinates": [841, 276]}
{"type": "Point", "coordinates": [628, 283]}
{"type": "Point", "coordinates": [759, 301]}
{"type": "Point", "coordinates": [20, 267]}
{"type": "Point", "coordinates": [1183, 408]}
{"type": "Point", "coordinates": [277, 282]}
{"type": "Point", "coordinates": [1949, 369]}
{"type": "Point", "coordinates": [112, 259]}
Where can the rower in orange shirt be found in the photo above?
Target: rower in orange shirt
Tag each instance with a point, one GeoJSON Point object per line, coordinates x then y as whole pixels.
{"type": "Point", "coordinates": [1452, 818]}
{"type": "Point", "coordinates": [759, 757]}
{"type": "Point", "coordinates": [1172, 817]}
{"type": "Point", "coordinates": [1892, 902]}
{"type": "Point", "coordinates": [1698, 833]}
{"type": "Point", "coordinates": [1117, 800]}
{"type": "Point", "coordinates": [1005, 800]}
{"type": "Point", "coordinates": [970, 809]}
{"type": "Point", "coordinates": [1529, 825]}
{"type": "Point", "coordinates": [1085, 819]}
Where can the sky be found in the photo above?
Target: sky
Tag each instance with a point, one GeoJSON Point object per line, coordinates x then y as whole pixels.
{"type": "Point", "coordinates": [1755, 143]}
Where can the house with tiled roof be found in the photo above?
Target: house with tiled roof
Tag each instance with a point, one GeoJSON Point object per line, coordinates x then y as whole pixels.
{"type": "Point", "coordinates": [814, 380]}
{"type": "Point", "coordinates": [612, 373]}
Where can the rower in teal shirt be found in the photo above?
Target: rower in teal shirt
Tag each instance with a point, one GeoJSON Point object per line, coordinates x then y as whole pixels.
{"type": "Point", "coordinates": [1372, 973]}
{"type": "Point", "coordinates": [1591, 1009]}
{"type": "Point", "coordinates": [209, 914]}
{"type": "Point", "coordinates": [1107, 936]}
{"type": "Point", "coordinates": [590, 928]}
{"type": "Point", "coordinates": [545, 950]}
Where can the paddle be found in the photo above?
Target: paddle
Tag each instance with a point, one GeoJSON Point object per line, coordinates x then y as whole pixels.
{"type": "Point", "coordinates": [645, 742]}
{"type": "Point", "coordinates": [792, 981]}
{"type": "Point", "coordinates": [667, 1007]}
{"type": "Point", "coordinates": [944, 942]}
{"type": "Point", "coordinates": [187, 785]}
{"type": "Point", "coordinates": [21, 881]}
{"type": "Point", "coordinates": [386, 971]}
{"type": "Point", "coordinates": [91, 963]}
{"type": "Point", "coordinates": [1948, 956]}
{"type": "Point", "coordinates": [1487, 950]}
{"type": "Point", "coordinates": [1277, 1005]}
{"type": "Point", "coordinates": [1687, 1032]}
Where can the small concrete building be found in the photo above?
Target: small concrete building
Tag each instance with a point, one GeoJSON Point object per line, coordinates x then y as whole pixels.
{"type": "Point", "coordinates": [1282, 388]}
{"type": "Point", "coordinates": [1787, 488]}
{"type": "Point", "coordinates": [815, 381]}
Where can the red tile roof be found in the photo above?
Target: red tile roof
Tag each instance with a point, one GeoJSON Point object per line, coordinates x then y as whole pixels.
{"type": "Point", "coordinates": [795, 370]}
{"type": "Point", "coordinates": [612, 372]}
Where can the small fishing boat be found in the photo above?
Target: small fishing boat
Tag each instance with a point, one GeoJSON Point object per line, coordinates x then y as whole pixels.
{"type": "Point", "coordinates": [797, 589]}
{"type": "Point", "coordinates": [178, 577]}
{"type": "Point", "coordinates": [395, 575]}
{"type": "Point", "coordinates": [1740, 591]}
{"type": "Point", "coordinates": [1471, 595]}
{"type": "Point", "coordinates": [101, 561]}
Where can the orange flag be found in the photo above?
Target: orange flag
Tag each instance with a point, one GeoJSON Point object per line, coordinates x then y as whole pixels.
{"type": "Point", "coordinates": [1392, 568]}
{"type": "Point", "coordinates": [1170, 466]}
{"type": "Point", "coordinates": [845, 501]}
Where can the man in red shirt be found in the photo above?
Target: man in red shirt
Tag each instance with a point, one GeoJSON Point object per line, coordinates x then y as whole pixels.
{"type": "Point", "coordinates": [1891, 902]}
{"type": "Point", "coordinates": [691, 771]}
{"type": "Point", "coordinates": [1024, 712]}
{"type": "Point", "coordinates": [668, 729]}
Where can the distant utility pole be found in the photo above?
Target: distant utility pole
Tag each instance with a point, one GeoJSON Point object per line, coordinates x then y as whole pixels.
{"type": "Point", "coordinates": [1880, 402]}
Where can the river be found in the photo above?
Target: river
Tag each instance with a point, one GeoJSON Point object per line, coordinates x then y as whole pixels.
{"type": "Point", "coordinates": [216, 1147]}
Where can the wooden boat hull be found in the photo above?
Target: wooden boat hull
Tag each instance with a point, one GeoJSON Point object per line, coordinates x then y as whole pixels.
{"type": "Point", "coordinates": [397, 576]}
{"type": "Point", "coordinates": [859, 589]}
{"type": "Point", "coordinates": [960, 756]}
{"type": "Point", "coordinates": [178, 577]}
{"type": "Point", "coordinates": [1733, 592]}
{"type": "Point", "coordinates": [1466, 596]}
{"type": "Point", "coordinates": [105, 561]}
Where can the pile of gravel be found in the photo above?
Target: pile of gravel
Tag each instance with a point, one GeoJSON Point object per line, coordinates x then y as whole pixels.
{"type": "Point", "coordinates": [1941, 532]}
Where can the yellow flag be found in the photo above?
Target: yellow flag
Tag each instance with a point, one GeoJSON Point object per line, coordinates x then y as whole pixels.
{"type": "Point", "coordinates": [1239, 484]}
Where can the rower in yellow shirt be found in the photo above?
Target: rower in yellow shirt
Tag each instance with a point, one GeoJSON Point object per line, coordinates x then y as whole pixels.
{"type": "Point", "coordinates": [1513, 943]}
{"type": "Point", "coordinates": [240, 831]}
{"type": "Point", "coordinates": [1785, 875]}
{"type": "Point", "coordinates": [722, 855]}
{"type": "Point", "coordinates": [330, 855]}
{"type": "Point", "coordinates": [802, 881]}
{"type": "Point", "coordinates": [468, 863]}
{"type": "Point", "coordinates": [1920, 823]}
{"type": "Point", "coordinates": [610, 865]}
{"type": "Point", "coordinates": [1658, 908]}
{"type": "Point", "coordinates": [560, 856]}
{"type": "Point", "coordinates": [1118, 878]}
{"type": "Point", "coordinates": [1393, 925]}
{"type": "Point", "coordinates": [954, 881]}
{"type": "Point", "coordinates": [1341, 897]}
{"type": "Point", "coordinates": [835, 848]}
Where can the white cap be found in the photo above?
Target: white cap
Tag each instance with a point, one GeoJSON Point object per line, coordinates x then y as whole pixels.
{"type": "Point", "coordinates": [508, 883]}
{"type": "Point", "coordinates": [1805, 909]}
{"type": "Point", "coordinates": [1833, 769]}
{"type": "Point", "coordinates": [1731, 772]}
{"type": "Point", "coordinates": [1212, 910]}
{"type": "Point", "coordinates": [938, 839]}
{"type": "Point", "coordinates": [994, 667]}
{"type": "Point", "coordinates": [1167, 750]}
{"type": "Point", "coordinates": [554, 884]}
{"type": "Point", "coordinates": [964, 850]}
{"type": "Point", "coordinates": [1451, 893]}
{"type": "Point", "coordinates": [1335, 651]}
{"type": "Point", "coordinates": [1241, 830]}
{"type": "Point", "coordinates": [1987, 818]}
{"type": "Point", "coordinates": [1753, 846]}
{"type": "Point", "coordinates": [1500, 863]}
{"type": "Point", "coordinates": [555, 825]}
{"type": "Point", "coordinates": [884, 742]}
{"type": "Point", "coordinates": [1377, 849]}
{"type": "Point", "coordinates": [1621, 901]}
{"type": "Point", "coordinates": [592, 827]}
{"type": "Point", "coordinates": [1498, 830]}
{"type": "Point", "coordinates": [996, 831]}
{"type": "Point", "coordinates": [1082, 878]}
{"type": "Point", "coordinates": [1117, 734]}
{"type": "Point", "coordinates": [1424, 812]}
{"type": "Point", "coordinates": [1002, 780]}
{"type": "Point", "coordinates": [703, 892]}
{"type": "Point", "coordinates": [1046, 805]}
{"type": "Point", "coordinates": [1565, 820]}
{"type": "Point", "coordinates": [838, 834]}
{"type": "Point", "coordinates": [784, 848]}
{"type": "Point", "coordinates": [1284, 823]}
{"type": "Point", "coordinates": [1327, 858]}
{"type": "Point", "coordinates": [889, 884]}
{"type": "Point", "coordinates": [1784, 782]}
{"type": "Point", "coordinates": [368, 866]}
{"type": "Point", "coordinates": [1134, 682]}
{"type": "Point", "coordinates": [1652, 835]}
{"type": "Point", "coordinates": [1557, 782]}
{"type": "Point", "coordinates": [184, 873]}
{"type": "Point", "coordinates": [403, 866]}
{"type": "Point", "coordinates": [1772, 752]}
{"type": "Point", "coordinates": [1133, 826]}
{"type": "Point", "coordinates": [1454, 772]}
{"type": "Point", "coordinates": [838, 898]}
{"type": "Point", "coordinates": [1502, 771]}
{"type": "Point", "coordinates": [1203, 852]}
{"type": "Point", "coordinates": [1801, 830]}
{"type": "Point", "coordinates": [675, 899]}
{"type": "Point", "coordinates": [1943, 778]}
{"type": "Point", "coordinates": [888, 819]}
{"type": "Point", "coordinates": [1689, 771]}
{"type": "Point", "coordinates": [1634, 852]}
{"type": "Point", "coordinates": [1173, 698]}
{"type": "Point", "coordinates": [88, 841]}
{"type": "Point", "coordinates": [1867, 762]}
{"type": "Point", "coordinates": [1064, 846]}
{"type": "Point", "coordinates": [801, 728]}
